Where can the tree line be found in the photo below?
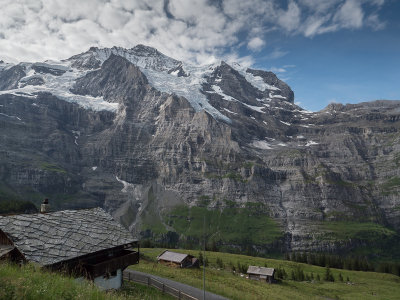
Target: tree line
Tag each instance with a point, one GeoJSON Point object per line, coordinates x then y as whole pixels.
{"type": "Point", "coordinates": [355, 263]}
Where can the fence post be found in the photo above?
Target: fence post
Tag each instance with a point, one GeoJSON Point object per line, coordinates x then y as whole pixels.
{"type": "Point", "coordinates": [148, 280]}
{"type": "Point", "coordinates": [163, 288]}
{"type": "Point", "coordinates": [179, 294]}
{"type": "Point", "coordinates": [129, 276]}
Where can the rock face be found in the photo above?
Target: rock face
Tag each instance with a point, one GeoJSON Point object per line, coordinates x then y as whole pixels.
{"type": "Point", "coordinates": [9, 78]}
{"type": "Point", "coordinates": [157, 142]}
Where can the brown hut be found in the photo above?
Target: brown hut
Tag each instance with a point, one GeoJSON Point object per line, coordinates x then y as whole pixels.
{"type": "Point", "coordinates": [261, 273]}
{"type": "Point", "coordinates": [178, 260]}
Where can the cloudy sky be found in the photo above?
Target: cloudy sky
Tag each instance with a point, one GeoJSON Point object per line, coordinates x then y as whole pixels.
{"type": "Point", "coordinates": [327, 50]}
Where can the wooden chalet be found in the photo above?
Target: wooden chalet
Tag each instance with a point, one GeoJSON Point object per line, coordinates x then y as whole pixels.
{"type": "Point", "coordinates": [85, 243]}
{"type": "Point", "coordinates": [261, 273]}
{"type": "Point", "coordinates": [178, 260]}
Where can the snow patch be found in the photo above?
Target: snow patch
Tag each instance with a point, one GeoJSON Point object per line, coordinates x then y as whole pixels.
{"type": "Point", "coordinates": [29, 76]}
{"type": "Point", "coordinates": [60, 86]}
{"type": "Point", "coordinates": [18, 93]}
{"type": "Point", "coordinates": [256, 81]}
{"type": "Point", "coordinates": [310, 143]}
{"type": "Point", "coordinates": [286, 123]}
{"type": "Point", "coordinates": [262, 145]}
{"type": "Point", "coordinates": [94, 168]}
{"type": "Point", "coordinates": [188, 87]}
{"type": "Point", "coordinates": [175, 73]}
{"type": "Point", "coordinates": [219, 91]}
{"type": "Point", "coordinates": [229, 111]}
{"type": "Point", "coordinates": [304, 111]}
{"type": "Point", "coordinates": [255, 108]}
{"type": "Point", "coordinates": [12, 117]}
{"type": "Point", "coordinates": [51, 66]}
{"type": "Point", "coordinates": [127, 185]}
{"type": "Point", "coordinates": [142, 59]}
{"type": "Point", "coordinates": [278, 96]}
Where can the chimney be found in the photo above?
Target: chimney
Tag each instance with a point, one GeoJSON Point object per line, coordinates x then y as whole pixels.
{"type": "Point", "coordinates": [45, 207]}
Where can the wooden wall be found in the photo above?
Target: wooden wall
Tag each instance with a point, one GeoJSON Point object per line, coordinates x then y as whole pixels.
{"type": "Point", "coordinates": [4, 240]}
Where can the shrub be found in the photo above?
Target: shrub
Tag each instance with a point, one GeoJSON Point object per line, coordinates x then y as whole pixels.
{"type": "Point", "coordinates": [220, 263]}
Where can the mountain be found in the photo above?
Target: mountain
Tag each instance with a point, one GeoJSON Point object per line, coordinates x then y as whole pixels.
{"type": "Point", "coordinates": [162, 144]}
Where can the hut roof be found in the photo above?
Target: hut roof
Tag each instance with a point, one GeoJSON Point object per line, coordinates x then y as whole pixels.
{"type": "Point", "coordinates": [58, 236]}
{"type": "Point", "coordinates": [172, 256]}
{"type": "Point", "coordinates": [260, 271]}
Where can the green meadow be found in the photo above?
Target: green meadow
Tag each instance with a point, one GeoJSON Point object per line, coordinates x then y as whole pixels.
{"type": "Point", "coordinates": [223, 277]}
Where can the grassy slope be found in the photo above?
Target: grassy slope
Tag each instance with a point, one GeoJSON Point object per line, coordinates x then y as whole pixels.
{"type": "Point", "coordinates": [344, 230]}
{"type": "Point", "coordinates": [227, 226]}
{"type": "Point", "coordinates": [362, 285]}
{"type": "Point", "coordinates": [230, 226]}
{"type": "Point", "coordinates": [29, 282]}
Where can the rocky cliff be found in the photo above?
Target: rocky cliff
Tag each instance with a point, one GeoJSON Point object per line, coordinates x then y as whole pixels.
{"type": "Point", "coordinates": [162, 144]}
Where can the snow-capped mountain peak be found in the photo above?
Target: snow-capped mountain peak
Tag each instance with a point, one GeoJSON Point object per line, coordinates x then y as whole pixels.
{"type": "Point", "coordinates": [140, 55]}
{"type": "Point", "coordinates": [196, 83]}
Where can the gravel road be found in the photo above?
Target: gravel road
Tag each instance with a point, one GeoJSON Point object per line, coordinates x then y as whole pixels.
{"type": "Point", "coordinates": [192, 291]}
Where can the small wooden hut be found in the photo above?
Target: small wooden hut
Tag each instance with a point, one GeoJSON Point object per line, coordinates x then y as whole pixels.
{"type": "Point", "coordinates": [178, 260]}
{"type": "Point", "coordinates": [261, 273]}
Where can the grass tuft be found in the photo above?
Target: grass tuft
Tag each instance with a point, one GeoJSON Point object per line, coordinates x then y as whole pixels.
{"type": "Point", "coordinates": [31, 282]}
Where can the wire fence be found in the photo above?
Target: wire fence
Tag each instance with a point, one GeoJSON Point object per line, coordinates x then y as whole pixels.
{"type": "Point", "coordinates": [148, 280]}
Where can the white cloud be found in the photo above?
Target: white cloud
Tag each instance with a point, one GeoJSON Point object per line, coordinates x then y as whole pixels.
{"type": "Point", "coordinates": [277, 70]}
{"type": "Point", "coordinates": [245, 61]}
{"type": "Point", "coordinates": [350, 15]}
{"type": "Point", "coordinates": [314, 25]}
{"type": "Point", "coordinates": [332, 15]}
{"type": "Point", "coordinates": [197, 30]}
{"type": "Point", "coordinates": [319, 6]}
{"type": "Point", "coordinates": [374, 22]}
{"type": "Point", "coordinates": [276, 53]}
{"type": "Point", "coordinates": [255, 44]}
{"type": "Point", "coordinates": [290, 19]}
{"type": "Point", "coordinates": [378, 2]}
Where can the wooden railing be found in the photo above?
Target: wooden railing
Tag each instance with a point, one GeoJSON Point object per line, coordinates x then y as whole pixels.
{"type": "Point", "coordinates": [148, 280]}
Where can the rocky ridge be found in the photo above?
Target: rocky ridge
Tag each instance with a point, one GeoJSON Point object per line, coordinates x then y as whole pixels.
{"type": "Point", "coordinates": [143, 134]}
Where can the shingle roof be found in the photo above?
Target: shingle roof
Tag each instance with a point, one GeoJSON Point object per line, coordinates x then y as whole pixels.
{"type": "Point", "coordinates": [54, 237]}
{"type": "Point", "coordinates": [260, 271]}
{"type": "Point", "coordinates": [172, 256]}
